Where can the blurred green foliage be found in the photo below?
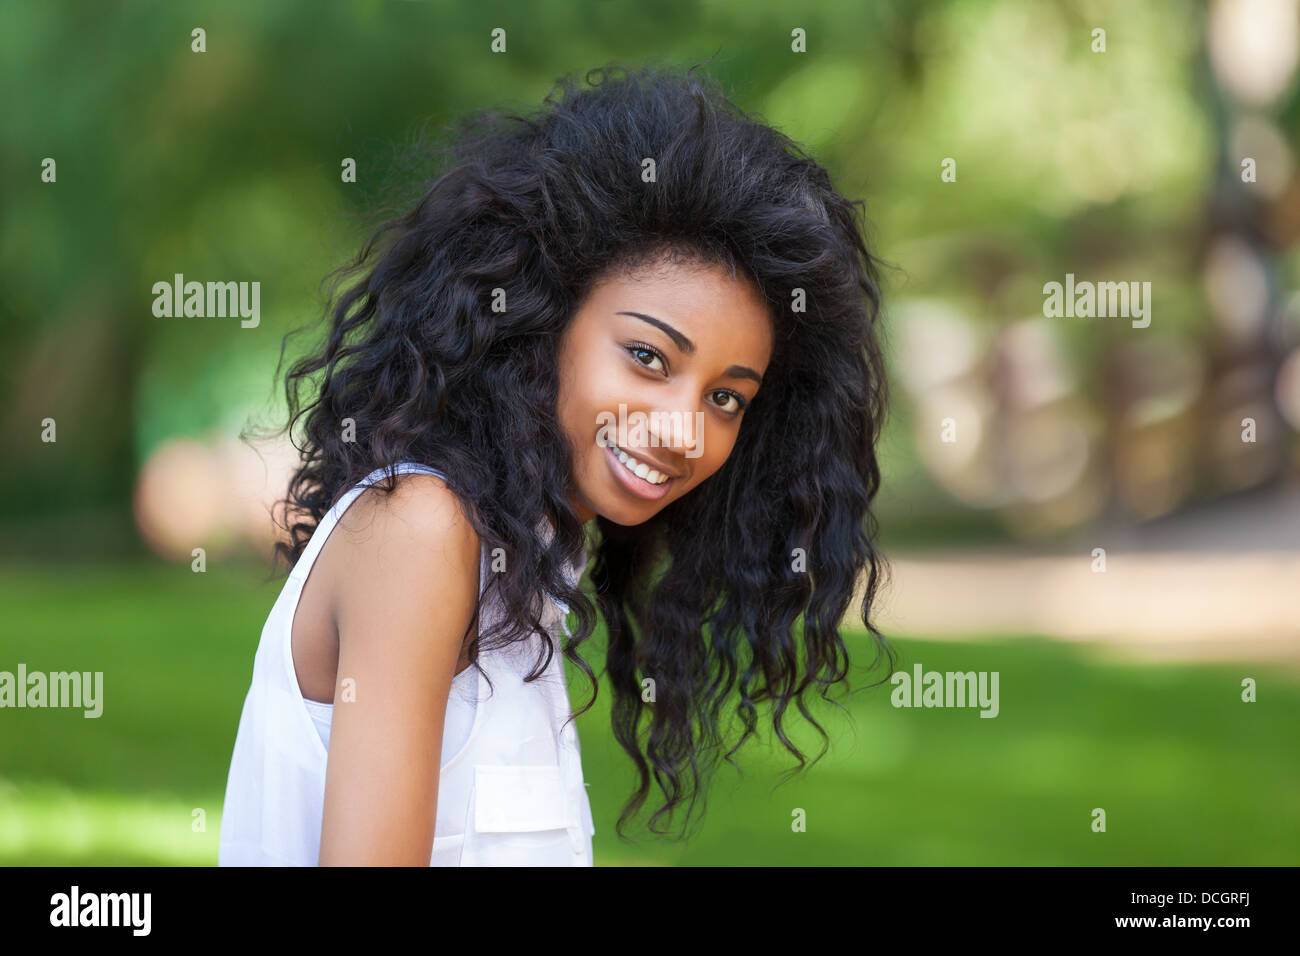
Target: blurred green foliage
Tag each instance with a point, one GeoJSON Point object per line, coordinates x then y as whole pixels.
{"type": "Point", "coordinates": [227, 164]}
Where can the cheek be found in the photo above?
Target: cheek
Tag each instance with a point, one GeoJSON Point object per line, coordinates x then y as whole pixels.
{"type": "Point", "coordinates": [576, 400]}
{"type": "Point", "coordinates": [715, 449]}
{"type": "Point", "coordinates": [593, 400]}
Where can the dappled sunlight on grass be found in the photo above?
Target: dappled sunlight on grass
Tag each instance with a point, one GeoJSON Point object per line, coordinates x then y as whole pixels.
{"type": "Point", "coordinates": [1187, 773]}
{"type": "Point", "coordinates": [46, 824]}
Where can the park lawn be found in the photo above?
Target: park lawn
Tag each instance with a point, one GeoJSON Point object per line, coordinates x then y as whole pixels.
{"type": "Point", "coordinates": [1186, 772]}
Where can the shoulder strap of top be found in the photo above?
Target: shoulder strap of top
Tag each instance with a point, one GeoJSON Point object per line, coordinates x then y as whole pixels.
{"type": "Point", "coordinates": [322, 532]}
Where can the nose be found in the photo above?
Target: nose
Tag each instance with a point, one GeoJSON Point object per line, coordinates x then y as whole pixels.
{"type": "Point", "coordinates": [676, 430]}
{"type": "Point", "coordinates": [672, 421]}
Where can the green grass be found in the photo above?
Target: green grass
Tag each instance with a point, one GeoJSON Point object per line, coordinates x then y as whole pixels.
{"type": "Point", "coordinates": [1187, 773]}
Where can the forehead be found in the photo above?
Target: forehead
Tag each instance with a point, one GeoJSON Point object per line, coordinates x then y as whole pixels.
{"type": "Point", "coordinates": [705, 302]}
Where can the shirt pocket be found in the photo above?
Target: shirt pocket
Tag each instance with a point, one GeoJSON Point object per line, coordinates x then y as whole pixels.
{"type": "Point", "coordinates": [519, 816]}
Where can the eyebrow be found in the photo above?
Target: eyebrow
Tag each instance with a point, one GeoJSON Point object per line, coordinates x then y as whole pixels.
{"type": "Point", "coordinates": [688, 347]}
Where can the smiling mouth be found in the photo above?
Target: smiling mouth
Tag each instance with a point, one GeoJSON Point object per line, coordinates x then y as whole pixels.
{"type": "Point", "coordinates": [637, 476]}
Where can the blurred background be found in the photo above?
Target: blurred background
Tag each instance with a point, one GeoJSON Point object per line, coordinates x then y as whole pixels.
{"type": "Point", "coordinates": [1104, 514]}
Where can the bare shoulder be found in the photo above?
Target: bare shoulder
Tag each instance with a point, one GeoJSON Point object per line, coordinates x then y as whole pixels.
{"type": "Point", "coordinates": [417, 534]}
{"type": "Point", "coordinates": [421, 509]}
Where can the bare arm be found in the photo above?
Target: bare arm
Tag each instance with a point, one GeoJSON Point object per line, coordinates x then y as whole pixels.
{"type": "Point", "coordinates": [403, 606]}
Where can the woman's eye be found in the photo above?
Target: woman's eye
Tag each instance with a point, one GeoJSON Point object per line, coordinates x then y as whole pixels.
{"type": "Point", "coordinates": [645, 356]}
{"type": "Point", "coordinates": [736, 406]}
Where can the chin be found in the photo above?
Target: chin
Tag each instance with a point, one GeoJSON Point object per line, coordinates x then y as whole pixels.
{"type": "Point", "coordinates": [623, 517]}
{"type": "Point", "coordinates": [629, 516]}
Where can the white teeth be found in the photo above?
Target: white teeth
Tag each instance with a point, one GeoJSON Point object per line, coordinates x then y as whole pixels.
{"type": "Point", "coordinates": [640, 469]}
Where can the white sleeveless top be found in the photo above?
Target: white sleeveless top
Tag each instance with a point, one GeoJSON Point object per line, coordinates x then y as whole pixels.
{"type": "Point", "coordinates": [510, 789]}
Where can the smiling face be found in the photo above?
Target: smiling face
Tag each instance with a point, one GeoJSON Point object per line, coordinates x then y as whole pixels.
{"type": "Point", "coordinates": [682, 349]}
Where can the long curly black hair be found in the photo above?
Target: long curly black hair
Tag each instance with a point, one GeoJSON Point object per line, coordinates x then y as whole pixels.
{"type": "Point", "coordinates": [734, 592]}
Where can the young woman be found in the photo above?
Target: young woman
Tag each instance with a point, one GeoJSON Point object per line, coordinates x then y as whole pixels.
{"type": "Point", "coordinates": [637, 325]}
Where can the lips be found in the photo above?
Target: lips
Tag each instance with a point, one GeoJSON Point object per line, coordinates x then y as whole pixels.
{"type": "Point", "coordinates": [632, 483]}
{"type": "Point", "coordinates": [643, 456]}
